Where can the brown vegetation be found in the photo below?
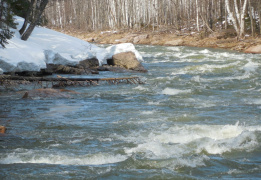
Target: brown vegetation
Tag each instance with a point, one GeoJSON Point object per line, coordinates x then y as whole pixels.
{"type": "Point", "coordinates": [225, 39]}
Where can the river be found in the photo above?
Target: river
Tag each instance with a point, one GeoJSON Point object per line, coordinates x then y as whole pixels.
{"type": "Point", "coordinates": [197, 117]}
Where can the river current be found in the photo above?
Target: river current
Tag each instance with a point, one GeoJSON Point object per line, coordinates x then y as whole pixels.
{"type": "Point", "coordinates": [197, 117]}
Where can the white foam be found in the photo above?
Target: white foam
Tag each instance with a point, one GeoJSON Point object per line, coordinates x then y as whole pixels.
{"type": "Point", "coordinates": [42, 158]}
{"type": "Point", "coordinates": [148, 112]}
{"type": "Point", "coordinates": [177, 141]}
{"type": "Point", "coordinates": [205, 51]}
{"type": "Point", "coordinates": [141, 88]}
{"type": "Point", "coordinates": [170, 91]}
{"type": "Point", "coordinates": [251, 66]}
{"type": "Point", "coordinates": [173, 48]}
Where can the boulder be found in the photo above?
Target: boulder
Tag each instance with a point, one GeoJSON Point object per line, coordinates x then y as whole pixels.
{"type": "Point", "coordinates": [115, 69]}
{"type": "Point", "coordinates": [126, 60]}
{"type": "Point", "coordinates": [176, 42]}
{"type": "Point", "coordinates": [89, 63]}
{"type": "Point", "coordinates": [254, 49]}
{"type": "Point", "coordinates": [2, 129]}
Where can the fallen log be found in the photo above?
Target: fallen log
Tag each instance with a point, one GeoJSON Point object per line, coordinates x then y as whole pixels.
{"type": "Point", "coordinates": [60, 81]}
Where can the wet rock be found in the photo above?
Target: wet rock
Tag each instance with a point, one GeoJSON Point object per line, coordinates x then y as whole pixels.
{"type": "Point", "coordinates": [89, 63]}
{"type": "Point", "coordinates": [116, 69]}
{"type": "Point", "coordinates": [254, 49]}
{"type": "Point", "coordinates": [2, 129]}
{"type": "Point", "coordinates": [126, 60]}
{"type": "Point", "coordinates": [61, 69]}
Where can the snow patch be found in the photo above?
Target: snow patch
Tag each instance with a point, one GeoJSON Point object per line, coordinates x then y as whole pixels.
{"type": "Point", "coordinates": [124, 47]}
{"type": "Point", "coordinates": [48, 46]}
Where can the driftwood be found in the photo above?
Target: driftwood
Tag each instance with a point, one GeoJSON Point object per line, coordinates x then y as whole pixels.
{"type": "Point", "coordinates": [60, 81]}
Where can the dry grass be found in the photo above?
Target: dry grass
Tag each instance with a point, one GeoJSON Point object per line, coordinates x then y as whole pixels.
{"type": "Point", "coordinates": [160, 38]}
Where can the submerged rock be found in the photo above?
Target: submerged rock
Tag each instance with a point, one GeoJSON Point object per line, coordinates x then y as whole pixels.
{"type": "Point", "coordinates": [2, 129]}
{"type": "Point", "coordinates": [47, 93]}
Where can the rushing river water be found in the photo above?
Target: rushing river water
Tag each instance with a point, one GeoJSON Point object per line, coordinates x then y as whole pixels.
{"type": "Point", "coordinates": [197, 117]}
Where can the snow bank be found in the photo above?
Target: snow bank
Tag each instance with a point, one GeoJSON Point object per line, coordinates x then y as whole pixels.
{"type": "Point", "coordinates": [119, 48]}
{"type": "Point", "coordinates": [48, 46]}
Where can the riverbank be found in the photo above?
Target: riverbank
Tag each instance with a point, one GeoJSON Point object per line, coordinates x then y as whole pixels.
{"type": "Point", "coordinates": [225, 39]}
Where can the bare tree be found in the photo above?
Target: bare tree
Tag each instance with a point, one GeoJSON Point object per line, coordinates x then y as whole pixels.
{"type": "Point", "coordinates": [237, 16]}
{"type": "Point", "coordinates": [151, 14]}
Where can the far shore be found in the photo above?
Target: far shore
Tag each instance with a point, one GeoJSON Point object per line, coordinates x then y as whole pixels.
{"type": "Point", "coordinates": [222, 40]}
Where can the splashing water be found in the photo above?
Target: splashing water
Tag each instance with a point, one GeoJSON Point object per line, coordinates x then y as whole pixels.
{"type": "Point", "coordinates": [197, 116]}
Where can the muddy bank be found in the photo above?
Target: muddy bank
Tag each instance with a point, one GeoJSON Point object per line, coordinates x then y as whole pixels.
{"type": "Point", "coordinates": [225, 39]}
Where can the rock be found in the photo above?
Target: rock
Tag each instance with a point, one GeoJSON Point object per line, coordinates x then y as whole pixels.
{"type": "Point", "coordinates": [61, 69]}
{"type": "Point", "coordinates": [89, 63]}
{"type": "Point", "coordinates": [116, 69]}
{"type": "Point", "coordinates": [47, 93]}
{"type": "Point", "coordinates": [176, 42]}
{"type": "Point", "coordinates": [126, 60]}
{"type": "Point", "coordinates": [140, 38]}
{"type": "Point", "coordinates": [2, 129]}
{"type": "Point", "coordinates": [254, 49]}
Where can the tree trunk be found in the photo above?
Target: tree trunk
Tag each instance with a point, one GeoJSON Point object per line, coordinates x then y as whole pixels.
{"type": "Point", "coordinates": [251, 18]}
{"type": "Point", "coordinates": [259, 15]}
{"type": "Point", "coordinates": [242, 20]}
{"type": "Point", "coordinates": [197, 7]}
{"type": "Point", "coordinates": [41, 4]}
{"type": "Point", "coordinates": [26, 20]}
{"type": "Point", "coordinates": [239, 21]}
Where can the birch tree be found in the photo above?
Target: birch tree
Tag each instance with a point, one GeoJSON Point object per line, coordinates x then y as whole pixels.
{"type": "Point", "coordinates": [237, 16]}
{"type": "Point", "coordinates": [154, 15]}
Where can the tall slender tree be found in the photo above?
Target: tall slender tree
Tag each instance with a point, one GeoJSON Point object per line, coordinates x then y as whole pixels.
{"type": "Point", "coordinates": [237, 16]}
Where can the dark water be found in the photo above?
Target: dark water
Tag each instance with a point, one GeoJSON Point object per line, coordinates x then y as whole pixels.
{"type": "Point", "coordinates": [197, 117]}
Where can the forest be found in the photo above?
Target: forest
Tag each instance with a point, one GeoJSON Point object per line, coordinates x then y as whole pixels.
{"type": "Point", "coordinates": [156, 15]}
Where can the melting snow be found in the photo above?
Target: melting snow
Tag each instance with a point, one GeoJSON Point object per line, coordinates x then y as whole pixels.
{"type": "Point", "coordinates": [48, 46]}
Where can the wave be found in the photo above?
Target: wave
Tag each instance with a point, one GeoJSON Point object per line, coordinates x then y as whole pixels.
{"type": "Point", "coordinates": [39, 157]}
{"type": "Point", "coordinates": [182, 141]}
{"type": "Point", "coordinates": [170, 91]}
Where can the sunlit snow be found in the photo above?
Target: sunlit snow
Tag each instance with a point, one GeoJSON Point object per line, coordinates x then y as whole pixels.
{"type": "Point", "coordinates": [48, 46]}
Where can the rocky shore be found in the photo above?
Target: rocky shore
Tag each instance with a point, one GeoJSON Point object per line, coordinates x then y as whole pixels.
{"type": "Point", "coordinates": [225, 39]}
